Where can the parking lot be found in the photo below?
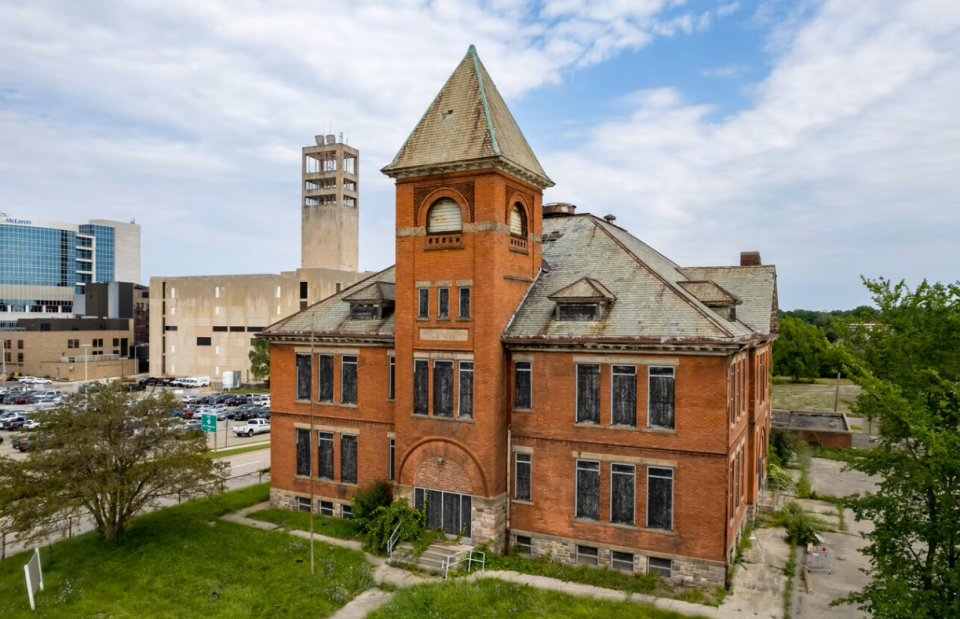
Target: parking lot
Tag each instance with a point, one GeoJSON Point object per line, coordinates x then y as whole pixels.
{"type": "Point", "coordinates": [223, 437]}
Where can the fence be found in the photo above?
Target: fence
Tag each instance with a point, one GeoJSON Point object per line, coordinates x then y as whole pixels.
{"type": "Point", "coordinates": [73, 523]}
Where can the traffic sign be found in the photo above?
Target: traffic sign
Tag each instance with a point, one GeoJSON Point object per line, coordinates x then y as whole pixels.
{"type": "Point", "coordinates": [208, 422]}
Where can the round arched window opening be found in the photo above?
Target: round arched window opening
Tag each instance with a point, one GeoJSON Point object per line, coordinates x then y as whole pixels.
{"type": "Point", "coordinates": [518, 221]}
{"type": "Point", "coordinates": [444, 216]}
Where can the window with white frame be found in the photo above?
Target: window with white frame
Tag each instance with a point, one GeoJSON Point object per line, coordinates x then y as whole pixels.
{"type": "Point", "coordinates": [623, 395]}
{"type": "Point", "coordinates": [661, 567]}
{"type": "Point", "coordinates": [326, 508]}
{"type": "Point", "coordinates": [588, 490]}
{"type": "Point", "coordinates": [465, 388]}
{"type": "Point", "coordinates": [621, 561]}
{"type": "Point", "coordinates": [588, 555]}
{"type": "Point", "coordinates": [623, 493]}
{"type": "Point", "coordinates": [659, 498]}
{"type": "Point", "coordinates": [303, 503]}
{"type": "Point", "coordinates": [522, 470]}
{"type": "Point", "coordinates": [523, 385]}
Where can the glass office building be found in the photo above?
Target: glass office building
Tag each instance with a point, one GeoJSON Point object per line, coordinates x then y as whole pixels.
{"type": "Point", "coordinates": [43, 264]}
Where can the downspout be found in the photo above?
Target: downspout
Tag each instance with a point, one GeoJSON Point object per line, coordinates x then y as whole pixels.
{"type": "Point", "coordinates": [509, 453]}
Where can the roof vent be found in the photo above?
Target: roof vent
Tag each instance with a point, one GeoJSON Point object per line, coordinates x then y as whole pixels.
{"type": "Point", "coordinates": [558, 209]}
{"type": "Point", "coordinates": [610, 218]}
{"type": "Point", "coordinates": [750, 259]}
{"type": "Point", "coordinates": [331, 139]}
{"type": "Point", "coordinates": [319, 139]}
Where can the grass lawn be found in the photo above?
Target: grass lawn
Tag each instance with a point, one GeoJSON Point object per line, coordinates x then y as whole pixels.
{"type": "Point", "coordinates": [181, 562]}
{"type": "Point", "coordinates": [226, 453]}
{"type": "Point", "coordinates": [813, 397]}
{"type": "Point", "coordinates": [606, 577]}
{"type": "Point", "coordinates": [324, 525]}
{"type": "Point", "coordinates": [489, 598]}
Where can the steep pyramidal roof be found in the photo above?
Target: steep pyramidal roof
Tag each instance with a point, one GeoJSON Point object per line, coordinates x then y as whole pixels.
{"type": "Point", "coordinates": [468, 126]}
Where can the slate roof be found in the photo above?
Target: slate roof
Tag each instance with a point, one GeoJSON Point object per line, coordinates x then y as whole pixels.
{"type": "Point", "coordinates": [710, 293]}
{"type": "Point", "coordinates": [650, 303]}
{"type": "Point", "coordinates": [756, 286]}
{"type": "Point", "coordinates": [468, 121]}
{"type": "Point", "coordinates": [583, 289]}
{"type": "Point", "coordinates": [331, 316]}
{"type": "Point", "coordinates": [377, 292]}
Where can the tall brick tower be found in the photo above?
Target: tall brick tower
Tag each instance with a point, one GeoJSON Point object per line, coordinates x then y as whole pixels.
{"type": "Point", "coordinates": [468, 199]}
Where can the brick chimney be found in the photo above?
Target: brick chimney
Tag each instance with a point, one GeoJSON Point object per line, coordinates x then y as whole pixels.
{"type": "Point", "coordinates": [750, 259]}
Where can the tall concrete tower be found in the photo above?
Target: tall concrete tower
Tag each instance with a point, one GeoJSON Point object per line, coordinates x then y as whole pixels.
{"type": "Point", "coordinates": [330, 201]}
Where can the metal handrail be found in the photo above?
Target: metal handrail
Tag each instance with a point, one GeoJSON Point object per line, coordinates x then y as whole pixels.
{"type": "Point", "coordinates": [482, 560]}
{"type": "Point", "coordinates": [391, 542]}
{"type": "Point", "coordinates": [447, 563]}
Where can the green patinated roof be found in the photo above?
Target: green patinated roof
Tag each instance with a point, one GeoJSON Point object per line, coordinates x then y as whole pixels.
{"type": "Point", "coordinates": [467, 121]}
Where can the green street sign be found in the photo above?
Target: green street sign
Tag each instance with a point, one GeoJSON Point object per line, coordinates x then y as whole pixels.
{"type": "Point", "coordinates": [208, 422]}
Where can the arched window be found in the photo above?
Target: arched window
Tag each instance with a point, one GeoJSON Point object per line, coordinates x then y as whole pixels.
{"type": "Point", "coordinates": [444, 216]}
{"type": "Point", "coordinates": [518, 223]}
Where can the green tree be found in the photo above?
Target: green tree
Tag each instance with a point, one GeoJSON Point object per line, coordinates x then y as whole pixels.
{"type": "Point", "coordinates": [909, 368]}
{"type": "Point", "coordinates": [105, 455]}
{"type": "Point", "coordinates": [799, 350]}
{"type": "Point", "coordinates": [260, 358]}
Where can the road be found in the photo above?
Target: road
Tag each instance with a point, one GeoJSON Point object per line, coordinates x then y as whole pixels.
{"type": "Point", "coordinates": [245, 465]}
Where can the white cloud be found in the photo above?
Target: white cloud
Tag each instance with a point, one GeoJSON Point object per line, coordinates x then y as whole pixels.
{"type": "Point", "coordinates": [731, 71]}
{"type": "Point", "coordinates": [845, 165]}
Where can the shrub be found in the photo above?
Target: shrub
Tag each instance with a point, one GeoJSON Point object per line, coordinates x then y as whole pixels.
{"type": "Point", "coordinates": [366, 502]}
{"type": "Point", "coordinates": [776, 473]}
{"type": "Point", "coordinates": [804, 489]}
{"type": "Point", "coordinates": [782, 445]}
{"type": "Point", "coordinates": [802, 526]}
{"type": "Point", "coordinates": [384, 521]}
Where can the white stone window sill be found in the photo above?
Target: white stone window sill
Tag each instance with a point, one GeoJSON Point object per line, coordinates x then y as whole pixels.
{"type": "Point", "coordinates": [442, 418]}
{"type": "Point", "coordinates": [624, 526]}
{"type": "Point", "coordinates": [327, 404]}
{"type": "Point", "coordinates": [525, 411]}
{"type": "Point", "coordinates": [663, 431]}
{"type": "Point", "coordinates": [521, 502]}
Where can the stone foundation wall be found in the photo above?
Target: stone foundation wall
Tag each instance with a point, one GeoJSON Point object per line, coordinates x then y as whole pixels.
{"type": "Point", "coordinates": [686, 571]}
{"type": "Point", "coordinates": [490, 522]}
{"type": "Point", "coordinates": [284, 499]}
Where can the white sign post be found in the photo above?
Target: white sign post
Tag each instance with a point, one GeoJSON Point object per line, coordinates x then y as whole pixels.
{"type": "Point", "coordinates": [34, 576]}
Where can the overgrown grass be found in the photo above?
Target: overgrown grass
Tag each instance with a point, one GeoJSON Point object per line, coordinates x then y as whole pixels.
{"type": "Point", "coordinates": [184, 562]}
{"type": "Point", "coordinates": [227, 453]}
{"type": "Point", "coordinates": [812, 397]}
{"type": "Point", "coordinates": [789, 570]}
{"type": "Point", "coordinates": [649, 583]}
{"type": "Point", "coordinates": [324, 525]}
{"type": "Point", "coordinates": [804, 487]}
{"type": "Point", "coordinates": [490, 598]}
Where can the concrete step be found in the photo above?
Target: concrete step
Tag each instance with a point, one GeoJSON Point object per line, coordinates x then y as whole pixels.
{"type": "Point", "coordinates": [430, 560]}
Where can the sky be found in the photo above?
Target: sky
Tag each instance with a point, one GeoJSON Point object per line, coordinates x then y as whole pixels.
{"type": "Point", "coordinates": [822, 133]}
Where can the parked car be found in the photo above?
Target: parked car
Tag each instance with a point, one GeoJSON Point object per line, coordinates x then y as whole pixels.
{"type": "Point", "coordinates": [136, 387]}
{"type": "Point", "coordinates": [30, 424]}
{"type": "Point", "coordinates": [254, 426]}
{"type": "Point", "coordinates": [190, 427]}
{"type": "Point", "coordinates": [42, 381]}
{"type": "Point", "coordinates": [13, 423]}
{"type": "Point", "coordinates": [188, 399]}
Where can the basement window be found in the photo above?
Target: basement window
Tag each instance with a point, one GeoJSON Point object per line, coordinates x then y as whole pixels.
{"type": "Point", "coordinates": [326, 508]}
{"type": "Point", "coordinates": [523, 544]}
{"type": "Point", "coordinates": [622, 561]}
{"type": "Point", "coordinates": [303, 503]}
{"type": "Point", "coordinates": [588, 555]}
{"type": "Point", "coordinates": [578, 312]}
{"type": "Point", "coordinates": [662, 567]}
{"type": "Point", "coordinates": [346, 512]}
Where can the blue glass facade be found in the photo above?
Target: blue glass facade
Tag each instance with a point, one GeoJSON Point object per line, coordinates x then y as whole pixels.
{"type": "Point", "coordinates": [41, 267]}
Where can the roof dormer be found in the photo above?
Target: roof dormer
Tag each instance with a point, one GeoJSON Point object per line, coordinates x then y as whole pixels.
{"type": "Point", "coordinates": [583, 300]}
{"type": "Point", "coordinates": [713, 296]}
{"type": "Point", "coordinates": [374, 302]}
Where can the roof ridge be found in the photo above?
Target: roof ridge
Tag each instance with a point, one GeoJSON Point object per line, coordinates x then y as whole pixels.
{"type": "Point", "coordinates": [472, 52]}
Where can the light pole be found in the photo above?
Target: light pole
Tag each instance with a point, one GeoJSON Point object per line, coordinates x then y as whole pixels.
{"type": "Point", "coordinates": [85, 357]}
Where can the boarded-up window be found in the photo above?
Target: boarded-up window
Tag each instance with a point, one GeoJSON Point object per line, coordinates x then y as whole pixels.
{"type": "Point", "coordinates": [421, 386]}
{"type": "Point", "coordinates": [623, 396]}
{"type": "Point", "coordinates": [588, 490]}
{"type": "Point", "coordinates": [423, 303]}
{"type": "Point", "coordinates": [348, 379]}
{"type": "Point", "coordinates": [303, 453]}
{"type": "Point", "coordinates": [464, 303]}
{"type": "Point", "coordinates": [304, 372]}
{"type": "Point", "coordinates": [523, 385]}
{"type": "Point", "coordinates": [465, 405]}
{"type": "Point", "coordinates": [577, 311]}
{"type": "Point", "coordinates": [661, 397]}
{"type": "Point", "coordinates": [325, 455]}
{"type": "Point", "coordinates": [622, 493]}
{"type": "Point", "coordinates": [659, 498]}
{"type": "Point", "coordinates": [444, 216]}
{"type": "Point", "coordinates": [521, 490]}
{"type": "Point", "coordinates": [518, 226]}
{"type": "Point", "coordinates": [348, 458]}
{"type": "Point", "coordinates": [443, 302]}
{"type": "Point", "coordinates": [588, 394]}
{"type": "Point", "coordinates": [392, 389]}
{"type": "Point", "coordinates": [364, 312]}
{"type": "Point", "coordinates": [443, 388]}
{"type": "Point", "coordinates": [733, 393]}
{"type": "Point", "coordinates": [325, 386]}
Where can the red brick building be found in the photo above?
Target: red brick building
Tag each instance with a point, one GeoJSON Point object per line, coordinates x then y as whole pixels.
{"type": "Point", "coordinates": [542, 378]}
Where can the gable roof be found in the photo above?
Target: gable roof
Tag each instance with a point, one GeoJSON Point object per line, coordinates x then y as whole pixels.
{"type": "Point", "coordinates": [650, 306]}
{"type": "Point", "coordinates": [584, 289]}
{"type": "Point", "coordinates": [755, 286]}
{"type": "Point", "coordinates": [709, 293]}
{"type": "Point", "coordinates": [468, 123]}
{"type": "Point", "coordinates": [331, 316]}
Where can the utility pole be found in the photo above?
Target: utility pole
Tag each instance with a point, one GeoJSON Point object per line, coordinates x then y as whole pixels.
{"type": "Point", "coordinates": [313, 434]}
{"type": "Point", "coordinates": [836, 396]}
